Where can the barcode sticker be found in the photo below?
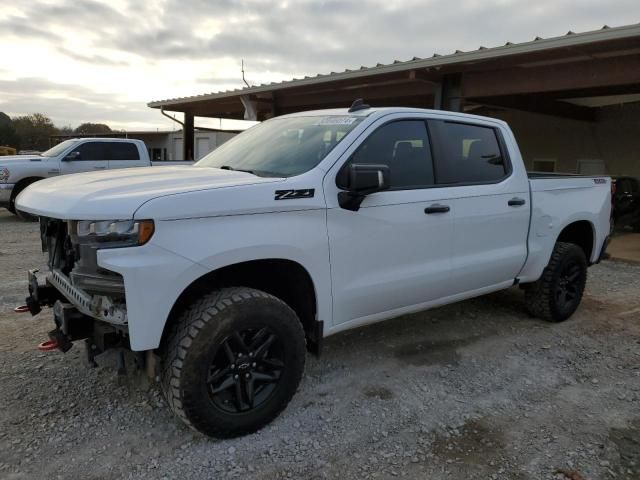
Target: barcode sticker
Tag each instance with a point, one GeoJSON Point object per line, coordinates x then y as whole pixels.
{"type": "Point", "coordinates": [335, 120]}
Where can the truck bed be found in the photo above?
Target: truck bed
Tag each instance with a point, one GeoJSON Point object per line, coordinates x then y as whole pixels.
{"type": "Point", "coordinates": [558, 200]}
{"type": "Point", "coordinates": [541, 175]}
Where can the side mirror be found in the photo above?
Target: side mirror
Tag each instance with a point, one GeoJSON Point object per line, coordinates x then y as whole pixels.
{"type": "Point", "coordinates": [363, 180]}
{"type": "Point", "coordinates": [71, 156]}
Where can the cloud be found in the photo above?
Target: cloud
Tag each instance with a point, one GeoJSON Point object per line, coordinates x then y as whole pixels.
{"type": "Point", "coordinates": [91, 59]}
{"type": "Point", "coordinates": [74, 14]}
{"type": "Point", "coordinates": [69, 104]}
{"type": "Point", "coordinates": [21, 28]}
{"type": "Point", "coordinates": [315, 36]}
{"type": "Point", "coordinates": [187, 47]}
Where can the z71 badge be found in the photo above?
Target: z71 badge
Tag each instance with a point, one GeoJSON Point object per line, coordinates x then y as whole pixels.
{"type": "Point", "coordinates": [293, 194]}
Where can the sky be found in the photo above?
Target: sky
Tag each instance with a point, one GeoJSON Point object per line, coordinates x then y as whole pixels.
{"type": "Point", "coordinates": [93, 61]}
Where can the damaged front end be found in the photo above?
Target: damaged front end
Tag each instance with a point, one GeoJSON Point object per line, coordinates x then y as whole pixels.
{"type": "Point", "coordinates": [88, 301]}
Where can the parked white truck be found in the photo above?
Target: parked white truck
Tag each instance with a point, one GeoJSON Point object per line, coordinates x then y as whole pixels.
{"type": "Point", "coordinates": [301, 227]}
{"type": "Point", "coordinates": [71, 156]}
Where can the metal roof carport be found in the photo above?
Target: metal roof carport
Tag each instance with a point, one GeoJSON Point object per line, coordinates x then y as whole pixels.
{"type": "Point", "coordinates": [555, 76]}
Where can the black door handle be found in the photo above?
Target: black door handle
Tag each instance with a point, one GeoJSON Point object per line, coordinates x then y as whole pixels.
{"type": "Point", "coordinates": [437, 208]}
{"type": "Point", "coordinates": [517, 202]}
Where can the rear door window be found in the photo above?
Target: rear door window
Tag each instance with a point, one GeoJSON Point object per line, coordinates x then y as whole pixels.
{"type": "Point", "coordinates": [466, 153]}
{"type": "Point", "coordinates": [92, 151]}
{"type": "Point", "coordinates": [123, 151]}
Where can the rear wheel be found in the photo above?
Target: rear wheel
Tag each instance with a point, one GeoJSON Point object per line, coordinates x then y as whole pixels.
{"type": "Point", "coordinates": [233, 362]}
{"type": "Point", "coordinates": [558, 292]}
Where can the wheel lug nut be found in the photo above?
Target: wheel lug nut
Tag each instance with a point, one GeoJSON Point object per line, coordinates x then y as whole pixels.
{"type": "Point", "coordinates": [236, 376]}
{"type": "Point", "coordinates": [247, 375]}
{"type": "Point", "coordinates": [233, 366]}
{"type": "Point", "coordinates": [251, 354]}
{"type": "Point", "coordinates": [253, 364]}
{"type": "Point", "coordinates": [239, 354]}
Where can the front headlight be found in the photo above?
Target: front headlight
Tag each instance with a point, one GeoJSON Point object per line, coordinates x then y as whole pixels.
{"type": "Point", "coordinates": [4, 174]}
{"type": "Point", "coordinates": [114, 233]}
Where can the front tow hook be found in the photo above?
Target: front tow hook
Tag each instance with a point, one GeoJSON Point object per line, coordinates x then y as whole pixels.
{"type": "Point", "coordinates": [22, 309]}
{"type": "Point", "coordinates": [48, 346]}
{"type": "Point", "coordinates": [57, 341]}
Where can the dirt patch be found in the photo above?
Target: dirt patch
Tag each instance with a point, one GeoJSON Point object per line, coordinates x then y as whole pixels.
{"type": "Point", "coordinates": [475, 390]}
{"type": "Point", "coordinates": [382, 393]}
{"type": "Point", "coordinates": [474, 443]}
{"type": "Point", "coordinates": [627, 441]}
{"type": "Point", "coordinates": [477, 446]}
{"type": "Point", "coordinates": [432, 352]}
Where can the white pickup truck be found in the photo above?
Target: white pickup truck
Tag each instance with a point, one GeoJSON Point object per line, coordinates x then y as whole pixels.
{"type": "Point", "coordinates": [71, 156]}
{"type": "Point", "coordinates": [301, 227]}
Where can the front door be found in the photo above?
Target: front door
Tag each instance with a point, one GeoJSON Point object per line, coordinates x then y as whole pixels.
{"type": "Point", "coordinates": [394, 253]}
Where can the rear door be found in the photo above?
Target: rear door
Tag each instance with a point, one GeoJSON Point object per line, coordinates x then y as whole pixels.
{"type": "Point", "coordinates": [85, 157]}
{"type": "Point", "coordinates": [124, 155]}
{"type": "Point", "coordinates": [491, 203]}
{"type": "Point", "coordinates": [394, 253]}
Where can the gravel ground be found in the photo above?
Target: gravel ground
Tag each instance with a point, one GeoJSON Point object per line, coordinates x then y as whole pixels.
{"type": "Point", "coordinates": [472, 390]}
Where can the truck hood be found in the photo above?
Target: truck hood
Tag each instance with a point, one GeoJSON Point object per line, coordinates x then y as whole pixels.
{"type": "Point", "coordinates": [18, 158]}
{"type": "Point", "coordinates": [8, 160]}
{"type": "Point", "coordinates": [117, 194]}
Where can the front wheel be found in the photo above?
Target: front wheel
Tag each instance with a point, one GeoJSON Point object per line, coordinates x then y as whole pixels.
{"type": "Point", "coordinates": [233, 361]}
{"type": "Point", "coordinates": [27, 217]}
{"type": "Point", "coordinates": [558, 292]}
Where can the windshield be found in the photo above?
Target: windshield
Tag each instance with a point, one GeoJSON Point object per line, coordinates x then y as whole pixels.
{"type": "Point", "coordinates": [282, 147]}
{"type": "Point", "coordinates": [58, 149]}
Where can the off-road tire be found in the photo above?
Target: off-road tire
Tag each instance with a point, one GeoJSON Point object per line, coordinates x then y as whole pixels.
{"type": "Point", "coordinates": [540, 297]}
{"type": "Point", "coordinates": [26, 217]}
{"type": "Point", "coordinates": [194, 341]}
{"type": "Point", "coordinates": [12, 204]}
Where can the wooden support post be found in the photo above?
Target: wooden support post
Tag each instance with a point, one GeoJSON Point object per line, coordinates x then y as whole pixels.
{"type": "Point", "coordinates": [448, 94]}
{"type": "Point", "coordinates": [188, 134]}
{"type": "Point", "coordinates": [274, 105]}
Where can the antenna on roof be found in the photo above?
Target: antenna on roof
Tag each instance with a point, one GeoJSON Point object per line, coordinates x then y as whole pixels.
{"type": "Point", "coordinates": [358, 104]}
{"type": "Point", "coordinates": [243, 79]}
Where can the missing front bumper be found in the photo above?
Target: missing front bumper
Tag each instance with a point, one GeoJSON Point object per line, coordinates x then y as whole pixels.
{"type": "Point", "coordinates": [58, 285]}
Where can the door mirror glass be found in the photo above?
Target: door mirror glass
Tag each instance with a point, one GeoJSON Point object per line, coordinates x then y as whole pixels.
{"type": "Point", "coordinates": [363, 180]}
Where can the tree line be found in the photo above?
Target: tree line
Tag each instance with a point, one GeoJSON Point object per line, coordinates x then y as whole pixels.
{"type": "Point", "coordinates": [33, 132]}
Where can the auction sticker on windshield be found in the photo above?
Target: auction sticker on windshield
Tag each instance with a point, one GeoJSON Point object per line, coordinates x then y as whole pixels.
{"type": "Point", "coordinates": [336, 121]}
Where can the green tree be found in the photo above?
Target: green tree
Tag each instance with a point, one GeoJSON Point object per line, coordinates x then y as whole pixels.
{"type": "Point", "coordinates": [89, 128]}
{"type": "Point", "coordinates": [8, 135]}
{"type": "Point", "coordinates": [33, 131]}
{"type": "Point", "coordinates": [66, 130]}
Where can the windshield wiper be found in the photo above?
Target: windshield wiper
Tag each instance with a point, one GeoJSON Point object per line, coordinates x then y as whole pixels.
{"type": "Point", "coordinates": [228, 167]}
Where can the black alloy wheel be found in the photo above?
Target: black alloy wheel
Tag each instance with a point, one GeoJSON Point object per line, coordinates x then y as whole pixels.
{"type": "Point", "coordinates": [233, 361]}
{"type": "Point", "coordinates": [570, 282]}
{"type": "Point", "coordinates": [246, 370]}
{"type": "Point", "coordinates": [558, 292]}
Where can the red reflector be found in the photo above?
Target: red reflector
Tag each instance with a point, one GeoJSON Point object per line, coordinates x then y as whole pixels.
{"type": "Point", "coordinates": [48, 346]}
